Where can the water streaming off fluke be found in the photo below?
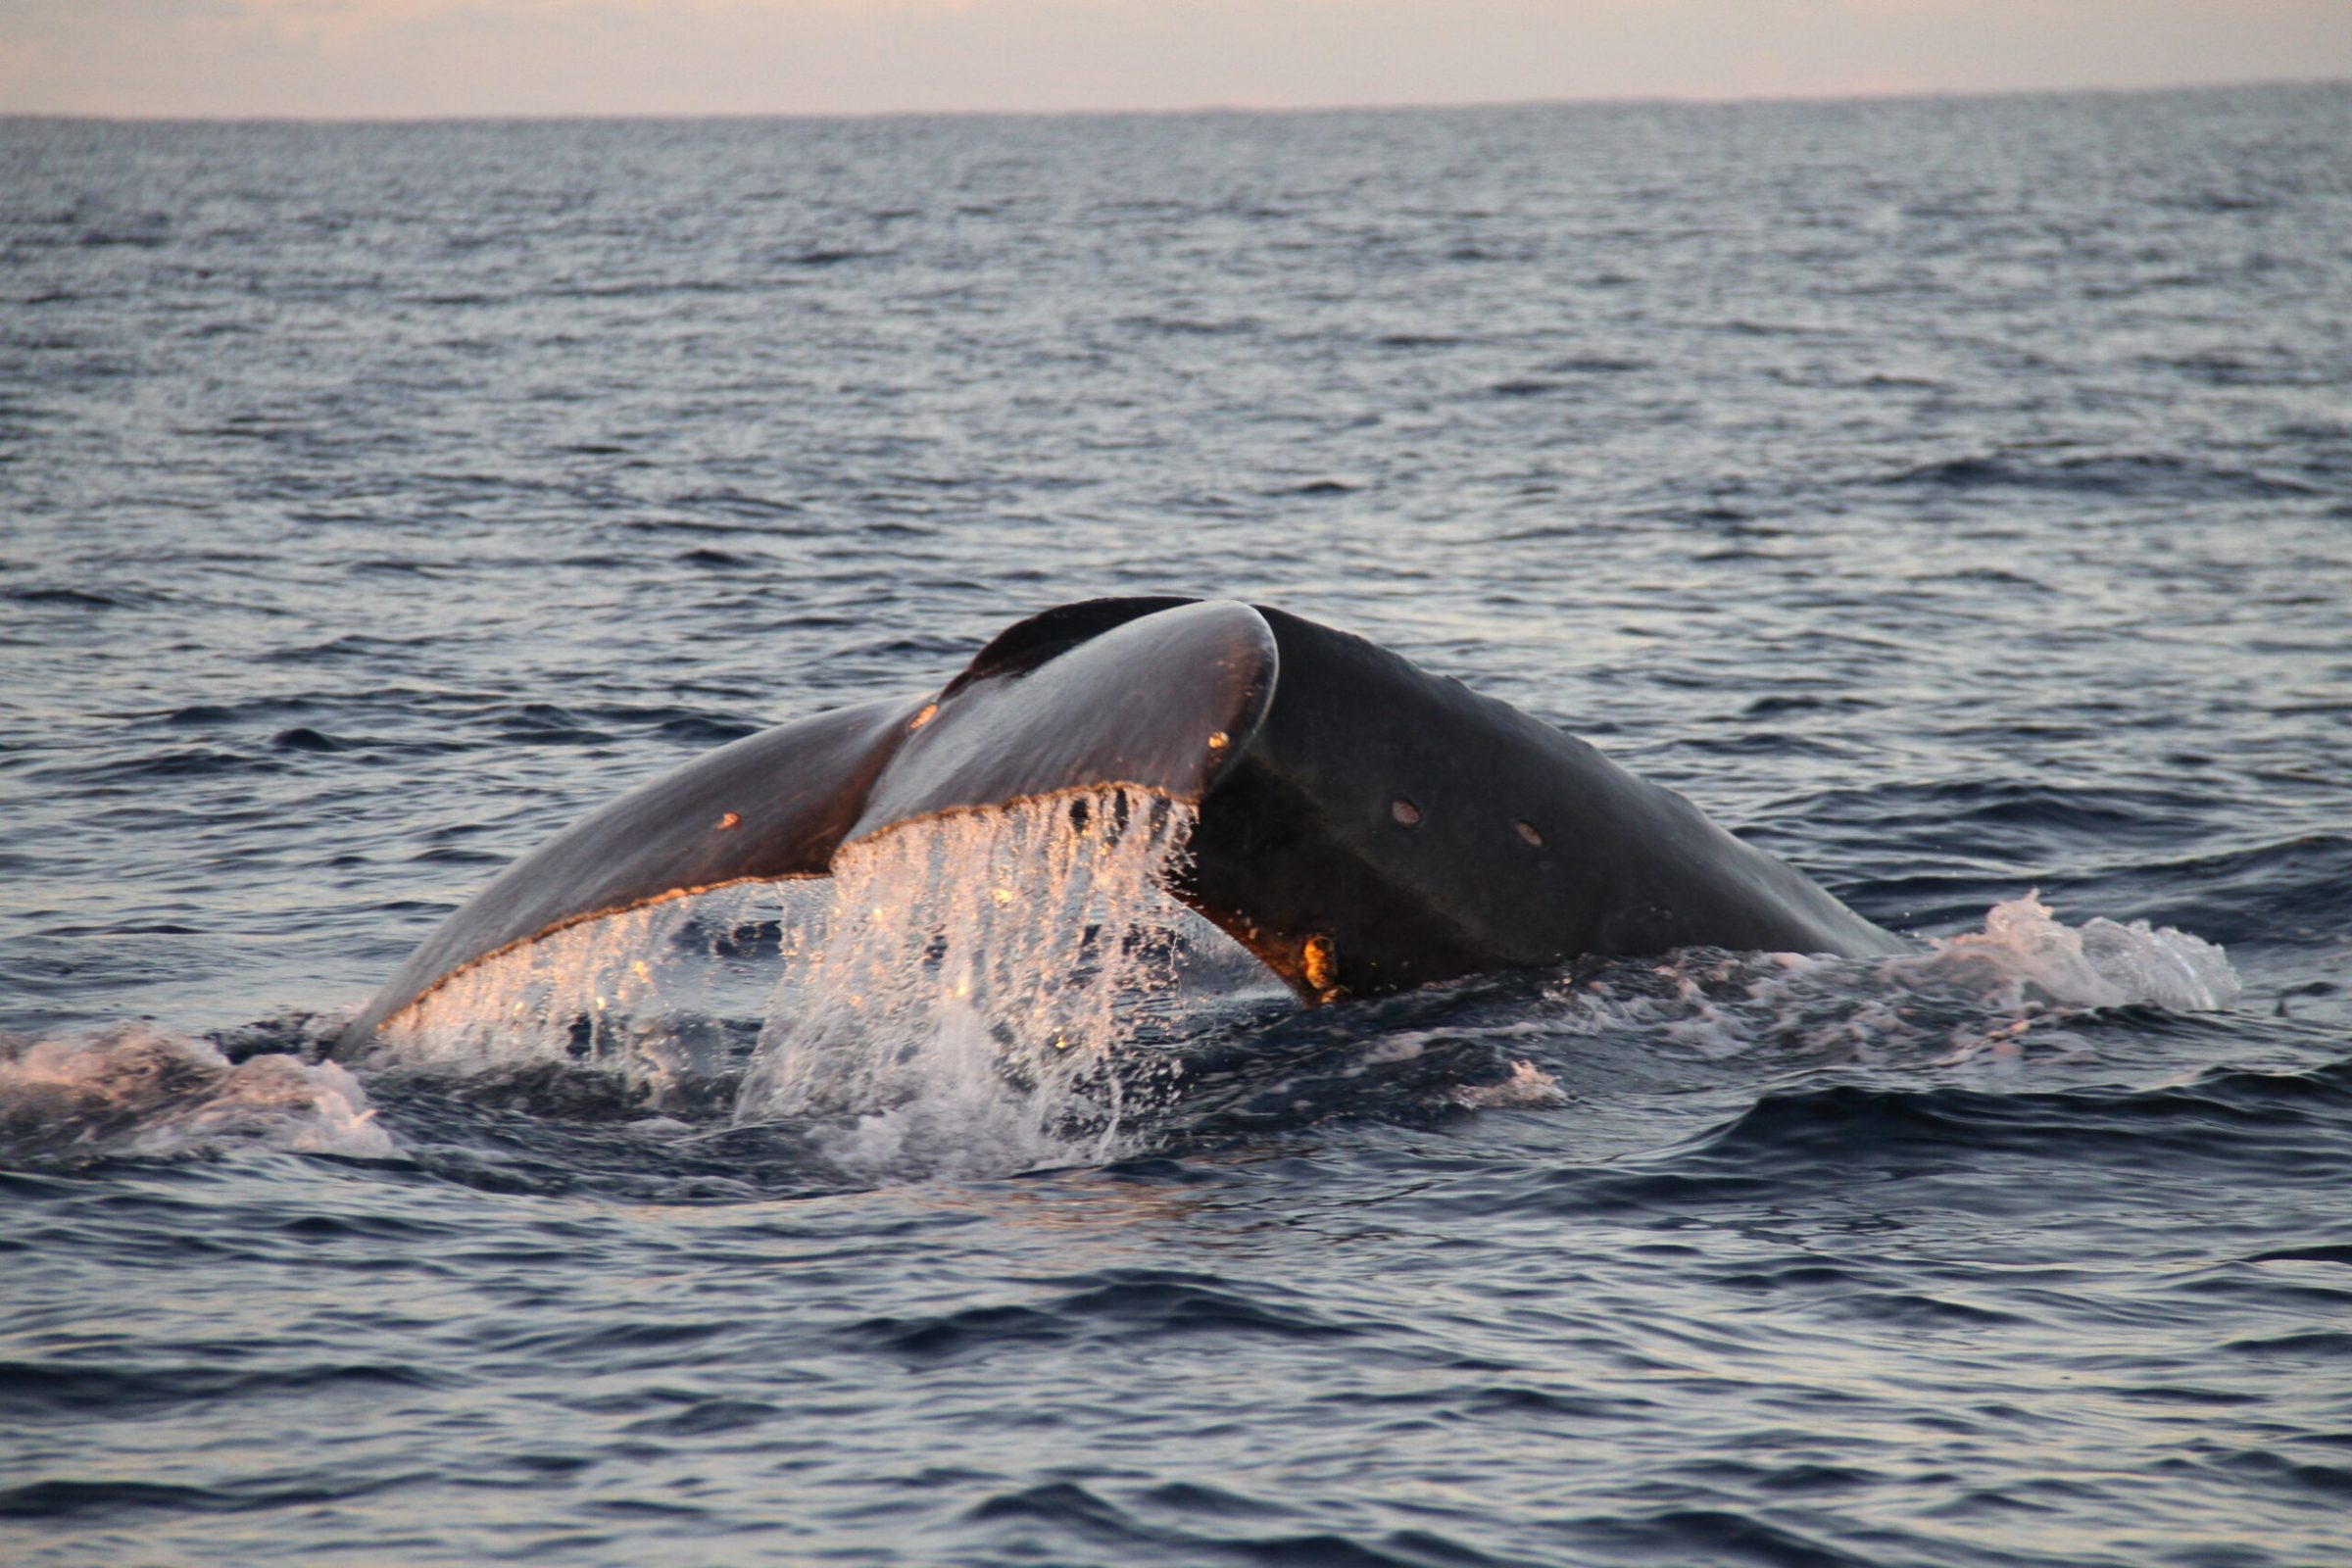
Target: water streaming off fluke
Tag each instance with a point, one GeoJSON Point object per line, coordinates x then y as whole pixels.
{"type": "Point", "coordinates": [952, 998]}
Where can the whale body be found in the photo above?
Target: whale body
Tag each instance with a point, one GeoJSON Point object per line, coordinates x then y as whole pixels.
{"type": "Point", "coordinates": [1363, 826]}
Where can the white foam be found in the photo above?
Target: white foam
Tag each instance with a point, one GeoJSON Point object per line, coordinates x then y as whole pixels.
{"type": "Point", "coordinates": [137, 1092]}
{"type": "Point", "coordinates": [1974, 995]}
{"type": "Point", "coordinates": [1528, 1088]}
{"type": "Point", "coordinates": [2100, 964]}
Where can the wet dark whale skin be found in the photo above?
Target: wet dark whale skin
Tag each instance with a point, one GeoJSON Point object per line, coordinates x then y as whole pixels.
{"type": "Point", "coordinates": [1425, 832]}
{"type": "Point", "coordinates": [1364, 826]}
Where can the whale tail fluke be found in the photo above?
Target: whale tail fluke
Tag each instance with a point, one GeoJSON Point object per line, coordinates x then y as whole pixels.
{"type": "Point", "coordinates": [1363, 826]}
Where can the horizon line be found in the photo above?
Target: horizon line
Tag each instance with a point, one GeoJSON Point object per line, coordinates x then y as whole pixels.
{"type": "Point", "coordinates": [1627, 100]}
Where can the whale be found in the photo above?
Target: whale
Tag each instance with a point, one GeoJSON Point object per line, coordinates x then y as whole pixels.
{"type": "Point", "coordinates": [1362, 827]}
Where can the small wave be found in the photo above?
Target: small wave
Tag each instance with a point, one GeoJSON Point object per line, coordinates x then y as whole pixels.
{"type": "Point", "coordinates": [189, 763]}
{"type": "Point", "coordinates": [716, 560]}
{"type": "Point", "coordinates": [1140, 1305]}
{"type": "Point", "coordinates": [2134, 474]}
{"type": "Point", "coordinates": [1419, 340]}
{"type": "Point", "coordinates": [2262, 1120]}
{"type": "Point", "coordinates": [2003, 821]}
{"type": "Point", "coordinates": [135, 1092]}
{"type": "Point", "coordinates": [1596, 365]}
{"type": "Point", "coordinates": [1195, 327]}
{"type": "Point", "coordinates": [74, 597]}
{"type": "Point", "coordinates": [358, 644]}
{"type": "Point", "coordinates": [735, 503]}
{"type": "Point", "coordinates": [33, 1391]}
{"type": "Point", "coordinates": [2294, 890]}
{"type": "Point", "coordinates": [303, 738]}
{"type": "Point", "coordinates": [542, 724]}
{"type": "Point", "coordinates": [1529, 386]}
{"type": "Point", "coordinates": [827, 256]}
{"type": "Point", "coordinates": [206, 716]}
{"type": "Point", "coordinates": [644, 288]}
{"type": "Point", "coordinates": [700, 729]}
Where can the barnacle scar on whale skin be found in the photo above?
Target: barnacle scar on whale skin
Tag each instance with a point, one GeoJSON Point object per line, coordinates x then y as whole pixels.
{"type": "Point", "coordinates": [1363, 826]}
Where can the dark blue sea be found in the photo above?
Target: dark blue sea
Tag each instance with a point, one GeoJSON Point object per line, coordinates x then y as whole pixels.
{"type": "Point", "coordinates": [1953, 497]}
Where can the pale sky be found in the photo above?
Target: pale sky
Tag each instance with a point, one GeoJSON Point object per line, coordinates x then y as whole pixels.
{"type": "Point", "coordinates": [375, 57]}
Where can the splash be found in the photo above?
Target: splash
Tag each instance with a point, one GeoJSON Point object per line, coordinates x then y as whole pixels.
{"type": "Point", "coordinates": [975, 993]}
{"type": "Point", "coordinates": [634, 996]}
{"type": "Point", "coordinates": [2102, 964]}
{"type": "Point", "coordinates": [1959, 998]}
{"type": "Point", "coordinates": [137, 1093]}
{"type": "Point", "coordinates": [979, 974]}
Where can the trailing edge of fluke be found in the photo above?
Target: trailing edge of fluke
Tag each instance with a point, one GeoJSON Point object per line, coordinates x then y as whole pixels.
{"type": "Point", "coordinates": [1364, 826]}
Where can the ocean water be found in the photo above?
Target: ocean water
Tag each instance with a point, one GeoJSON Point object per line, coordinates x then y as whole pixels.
{"type": "Point", "coordinates": [1955, 497]}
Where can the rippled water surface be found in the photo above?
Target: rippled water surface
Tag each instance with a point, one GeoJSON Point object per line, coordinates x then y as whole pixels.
{"type": "Point", "coordinates": [1953, 497]}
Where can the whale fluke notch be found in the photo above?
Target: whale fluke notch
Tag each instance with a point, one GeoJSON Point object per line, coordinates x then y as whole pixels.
{"type": "Point", "coordinates": [1108, 692]}
{"type": "Point", "coordinates": [1363, 826]}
